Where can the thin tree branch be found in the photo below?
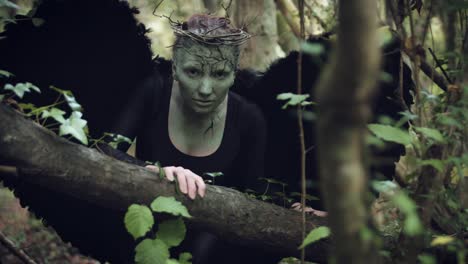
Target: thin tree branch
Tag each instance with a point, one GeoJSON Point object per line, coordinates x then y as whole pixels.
{"type": "Point", "coordinates": [15, 250]}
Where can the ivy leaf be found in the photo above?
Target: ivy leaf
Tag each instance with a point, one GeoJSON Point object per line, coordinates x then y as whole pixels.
{"type": "Point", "coordinates": [185, 257]}
{"type": "Point", "coordinates": [28, 107]}
{"type": "Point", "coordinates": [20, 88]}
{"type": "Point", "coordinates": [72, 103]}
{"type": "Point", "coordinates": [169, 205]}
{"type": "Point", "coordinates": [55, 113]}
{"type": "Point", "coordinates": [315, 235]}
{"type": "Point", "coordinates": [270, 180]}
{"type": "Point", "coordinates": [172, 232]}
{"type": "Point", "coordinates": [213, 174]}
{"type": "Point", "coordinates": [293, 99]}
{"type": "Point", "coordinates": [69, 98]}
{"type": "Point", "coordinates": [436, 163]}
{"type": "Point", "coordinates": [138, 220]}
{"type": "Point", "coordinates": [6, 74]}
{"type": "Point", "coordinates": [151, 251]}
{"type": "Point", "coordinates": [442, 240]}
{"type": "Point", "coordinates": [431, 133]}
{"type": "Point", "coordinates": [117, 139]}
{"type": "Point", "coordinates": [75, 126]}
{"type": "Point", "coordinates": [389, 133]}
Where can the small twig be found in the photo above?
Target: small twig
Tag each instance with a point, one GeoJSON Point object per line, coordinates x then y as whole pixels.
{"type": "Point", "coordinates": [15, 250]}
{"type": "Point", "coordinates": [440, 66]}
{"type": "Point", "coordinates": [156, 7]}
{"type": "Point", "coordinates": [226, 8]}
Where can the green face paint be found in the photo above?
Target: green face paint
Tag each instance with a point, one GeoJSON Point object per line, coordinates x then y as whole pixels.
{"type": "Point", "coordinates": [204, 73]}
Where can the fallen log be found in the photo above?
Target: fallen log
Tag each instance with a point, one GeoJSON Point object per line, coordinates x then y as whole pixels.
{"type": "Point", "coordinates": [53, 163]}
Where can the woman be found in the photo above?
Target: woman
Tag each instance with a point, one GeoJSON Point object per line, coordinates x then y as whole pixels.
{"type": "Point", "coordinates": [191, 123]}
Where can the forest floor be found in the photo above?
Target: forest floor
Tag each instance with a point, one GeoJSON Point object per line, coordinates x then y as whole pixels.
{"type": "Point", "coordinates": [29, 234]}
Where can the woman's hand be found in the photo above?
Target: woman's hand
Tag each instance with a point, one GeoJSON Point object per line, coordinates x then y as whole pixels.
{"type": "Point", "coordinates": [308, 210]}
{"type": "Point", "coordinates": [189, 182]}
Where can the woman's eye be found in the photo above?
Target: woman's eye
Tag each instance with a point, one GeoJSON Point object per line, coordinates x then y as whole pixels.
{"type": "Point", "coordinates": [220, 74]}
{"type": "Point", "coordinates": [192, 72]}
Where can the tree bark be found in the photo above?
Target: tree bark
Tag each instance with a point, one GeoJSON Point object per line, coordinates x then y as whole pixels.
{"type": "Point", "coordinates": [343, 95]}
{"type": "Point", "coordinates": [258, 17]}
{"type": "Point", "coordinates": [55, 163]}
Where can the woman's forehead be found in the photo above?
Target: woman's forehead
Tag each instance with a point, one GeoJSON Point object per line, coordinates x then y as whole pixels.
{"type": "Point", "coordinates": [205, 53]}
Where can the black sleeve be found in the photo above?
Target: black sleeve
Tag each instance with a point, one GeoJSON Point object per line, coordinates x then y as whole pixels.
{"type": "Point", "coordinates": [253, 146]}
{"type": "Point", "coordinates": [139, 107]}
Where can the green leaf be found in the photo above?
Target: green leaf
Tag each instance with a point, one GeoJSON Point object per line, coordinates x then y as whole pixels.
{"type": "Point", "coordinates": [315, 235]}
{"type": "Point", "coordinates": [1, 97]}
{"type": "Point", "coordinates": [37, 22]}
{"type": "Point", "coordinates": [312, 48]}
{"type": "Point", "coordinates": [442, 240]}
{"type": "Point", "coordinates": [185, 257]}
{"type": "Point", "coordinates": [426, 259]}
{"type": "Point", "coordinates": [412, 226]}
{"type": "Point", "coordinates": [384, 186]}
{"type": "Point", "coordinates": [69, 97]}
{"type": "Point", "coordinates": [72, 103]}
{"type": "Point", "coordinates": [28, 107]}
{"type": "Point", "coordinates": [138, 220]}
{"type": "Point", "coordinates": [6, 74]}
{"type": "Point", "coordinates": [431, 133]}
{"type": "Point", "coordinates": [172, 232]}
{"type": "Point", "coordinates": [151, 251]}
{"type": "Point", "coordinates": [172, 261]}
{"type": "Point", "coordinates": [117, 139]}
{"type": "Point", "coordinates": [436, 163]}
{"type": "Point", "coordinates": [55, 113]}
{"type": "Point", "coordinates": [293, 99]}
{"type": "Point", "coordinates": [390, 133]}
{"type": "Point", "coordinates": [75, 126]}
{"type": "Point", "coordinates": [404, 203]}
{"type": "Point", "coordinates": [213, 174]}
{"type": "Point", "coordinates": [21, 88]}
{"type": "Point", "coordinates": [270, 180]}
{"type": "Point", "coordinates": [169, 205]}
{"type": "Point", "coordinates": [9, 4]}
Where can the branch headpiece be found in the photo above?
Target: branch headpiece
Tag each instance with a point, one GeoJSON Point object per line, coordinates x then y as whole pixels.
{"type": "Point", "coordinates": [210, 30]}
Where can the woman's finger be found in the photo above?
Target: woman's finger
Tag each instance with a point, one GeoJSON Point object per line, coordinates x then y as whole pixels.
{"type": "Point", "coordinates": [201, 186]}
{"type": "Point", "coordinates": [169, 172]}
{"type": "Point", "coordinates": [191, 187]}
{"type": "Point", "coordinates": [181, 179]}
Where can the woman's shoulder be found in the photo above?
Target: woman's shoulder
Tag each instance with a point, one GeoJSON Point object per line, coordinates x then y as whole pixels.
{"type": "Point", "coordinates": [249, 115]}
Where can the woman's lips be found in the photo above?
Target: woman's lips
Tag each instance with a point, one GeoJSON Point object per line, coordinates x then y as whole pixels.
{"type": "Point", "coordinates": [203, 102]}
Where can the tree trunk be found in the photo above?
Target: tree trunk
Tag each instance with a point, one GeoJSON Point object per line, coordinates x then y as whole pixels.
{"type": "Point", "coordinates": [258, 17]}
{"type": "Point", "coordinates": [55, 163]}
{"type": "Point", "coordinates": [343, 95]}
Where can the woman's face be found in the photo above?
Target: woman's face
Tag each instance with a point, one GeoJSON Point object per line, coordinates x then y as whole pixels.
{"type": "Point", "coordinates": [204, 74]}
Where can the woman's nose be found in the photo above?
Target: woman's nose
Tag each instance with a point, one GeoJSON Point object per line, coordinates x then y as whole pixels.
{"type": "Point", "coordinates": [206, 87]}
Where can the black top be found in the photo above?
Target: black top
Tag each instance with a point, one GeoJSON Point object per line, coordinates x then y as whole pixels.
{"type": "Point", "coordinates": [240, 156]}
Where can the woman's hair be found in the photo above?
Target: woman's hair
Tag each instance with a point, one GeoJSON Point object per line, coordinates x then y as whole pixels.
{"type": "Point", "coordinates": [211, 31]}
